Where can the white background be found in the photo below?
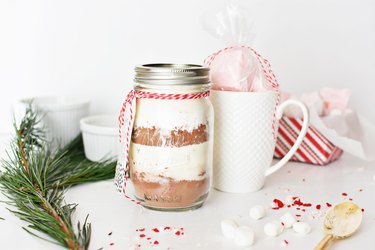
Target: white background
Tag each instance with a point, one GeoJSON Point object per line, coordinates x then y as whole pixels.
{"type": "Point", "coordinates": [90, 47]}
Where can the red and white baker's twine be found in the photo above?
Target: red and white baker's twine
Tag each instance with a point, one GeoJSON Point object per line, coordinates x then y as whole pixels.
{"type": "Point", "coordinates": [126, 118]}
{"type": "Point", "coordinates": [266, 69]}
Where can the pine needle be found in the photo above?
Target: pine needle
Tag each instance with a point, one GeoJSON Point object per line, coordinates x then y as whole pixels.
{"type": "Point", "coordinates": [34, 180]}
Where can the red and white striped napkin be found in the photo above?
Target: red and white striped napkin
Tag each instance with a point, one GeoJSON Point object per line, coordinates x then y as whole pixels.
{"type": "Point", "coordinates": [333, 129]}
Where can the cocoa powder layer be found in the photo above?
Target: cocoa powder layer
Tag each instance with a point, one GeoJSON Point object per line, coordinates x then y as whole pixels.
{"type": "Point", "coordinates": [152, 136]}
{"type": "Point", "coordinates": [169, 193]}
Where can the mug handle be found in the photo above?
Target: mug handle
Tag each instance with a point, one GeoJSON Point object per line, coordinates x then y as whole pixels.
{"type": "Point", "coordinates": [301, 136]}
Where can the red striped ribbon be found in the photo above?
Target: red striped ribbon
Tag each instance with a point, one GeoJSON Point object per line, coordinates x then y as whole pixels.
{"type": "Point", "coordinates": [126, 120]}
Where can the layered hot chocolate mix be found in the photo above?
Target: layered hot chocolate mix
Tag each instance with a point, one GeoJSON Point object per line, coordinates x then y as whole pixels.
{"type": "Point", "coordinates": [170, 183]}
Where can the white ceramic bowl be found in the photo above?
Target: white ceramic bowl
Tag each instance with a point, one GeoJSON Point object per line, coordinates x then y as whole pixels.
{"type": "Point", "coordinates": [60, 116]}
{"type": "Point", "coordinates": [100, 137]}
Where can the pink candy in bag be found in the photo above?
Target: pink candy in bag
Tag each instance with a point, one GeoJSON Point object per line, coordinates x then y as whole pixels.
{"type": "Point", "coordinates": [237, 67]}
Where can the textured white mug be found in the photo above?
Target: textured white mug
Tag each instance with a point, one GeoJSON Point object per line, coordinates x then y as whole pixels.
{"type": "Point", "coordinates": [245, 127]}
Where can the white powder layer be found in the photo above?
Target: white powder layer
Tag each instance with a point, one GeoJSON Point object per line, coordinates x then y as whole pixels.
{"type": "Point", "coordinates": [182, 163]}
{"type": "Point", "coordinates": [172, 114]}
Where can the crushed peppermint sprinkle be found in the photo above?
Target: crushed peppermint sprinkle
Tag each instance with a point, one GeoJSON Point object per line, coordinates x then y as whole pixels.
{"type": "Point", "coordinates": [279, 204]}
{"type": "Point", "coordinates": [174, 230]}
{"type": "Point", "coordinates": [344, 194]}
{"type": "Point", "coordinates": [328, 204]}
{"type": "Point", "coordinates": [284, 243]}
{"type": "Point", "coordinates": [318, 206]}
{"type": "Point", "coordinates": [362, 209]}
{"type": "Point", "coordinates": [298, 215]}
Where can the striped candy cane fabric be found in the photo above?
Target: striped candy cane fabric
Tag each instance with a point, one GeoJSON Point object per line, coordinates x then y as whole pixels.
{"type": "Point", "coordinates": [315, 148]}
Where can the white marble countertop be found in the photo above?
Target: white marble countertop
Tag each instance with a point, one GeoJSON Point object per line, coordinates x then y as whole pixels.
{"type": "Point", "coordinates": [111, 214]}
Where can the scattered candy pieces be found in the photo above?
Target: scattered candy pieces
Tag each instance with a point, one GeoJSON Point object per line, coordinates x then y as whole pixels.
{"type": "Point", "coordinates": [284, 243]}
{"type": "Point", "coordinates": [278, 204]}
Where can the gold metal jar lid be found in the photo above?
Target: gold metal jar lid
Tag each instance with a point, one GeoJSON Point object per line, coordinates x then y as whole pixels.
{"type": "Point", "coordinates": [172, 74]}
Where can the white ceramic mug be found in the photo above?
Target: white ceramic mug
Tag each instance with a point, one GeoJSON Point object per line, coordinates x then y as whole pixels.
{"type": "Point", "coordinates": [245, 127]}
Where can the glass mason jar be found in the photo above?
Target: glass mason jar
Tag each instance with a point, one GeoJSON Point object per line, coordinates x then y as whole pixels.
{"type": "Point", "coordinates": [170, 156]}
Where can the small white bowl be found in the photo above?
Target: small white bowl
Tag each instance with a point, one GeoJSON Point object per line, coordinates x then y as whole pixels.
{"type": "Point", "coordinates": [60, 116]}
{"type": "Point", "coordinates": [100, 137]}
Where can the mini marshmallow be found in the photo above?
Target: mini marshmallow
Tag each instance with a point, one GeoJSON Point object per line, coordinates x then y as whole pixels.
{"type": "Point", "coordinates": [244, 236]}
{"type": "Point", "coordinates": [288, 220]}
{"type": "Point", "coordinates": [228, 228]}
{"type": "Point", "coordinates": [257, 212]}
{"type": "Point", "coordinates": [301, 228]}
{"type": "Point", "coordinates": [273, 228]}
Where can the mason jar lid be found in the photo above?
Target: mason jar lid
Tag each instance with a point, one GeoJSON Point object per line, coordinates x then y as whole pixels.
{"type": "Point", "coordinates": [172, 74]}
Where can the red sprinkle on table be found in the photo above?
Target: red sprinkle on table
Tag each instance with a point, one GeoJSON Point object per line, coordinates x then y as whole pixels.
{"type": "Point", "coordinates": [279, 204]}
{"type": "Point", "coordinates": [298, 215]}
{"type": "Point", "coordinates": [350, 199]}
{"type": "Point", "coordinates": [318, 206]}
{"type": "Point", "coordinates": [344, 194]}
{"type": "Point", "coordinates": [141, 230]}
{"type": "Point", "coordinates": [156, 242]}
{"type": "Point", "coordinates": [286, 242]}
{"type": "Point", "coordinates": [167, 228]}
{"type": "Point", "coordinates": [362, 209]}
{"type": "Point", "coordinates": [178, 233]}
{"type": "Point", "coordinates": [328, 204]}
{"type": "Point", "coordinates": [142, 235]}
{"type": "Point", "coordinates": [149, 238]}
{"type": "Point", "coordinates": [111, 244]}
{"type": "Point", "coordinates": [155, 230]}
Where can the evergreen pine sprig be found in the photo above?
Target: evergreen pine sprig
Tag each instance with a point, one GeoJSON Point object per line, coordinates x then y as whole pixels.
{"type": "Point", "coordinates": [34, 180]}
